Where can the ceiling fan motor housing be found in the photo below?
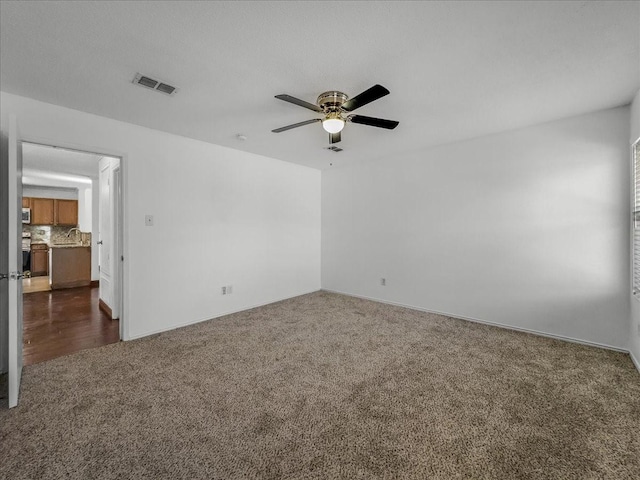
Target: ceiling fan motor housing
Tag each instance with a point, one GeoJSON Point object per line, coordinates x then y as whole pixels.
{"type": "Point", "coordinates": [331, 101]}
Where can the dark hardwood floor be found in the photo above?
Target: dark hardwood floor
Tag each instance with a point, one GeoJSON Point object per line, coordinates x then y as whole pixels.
{"type": "Point", "coordinates": [60, 322]}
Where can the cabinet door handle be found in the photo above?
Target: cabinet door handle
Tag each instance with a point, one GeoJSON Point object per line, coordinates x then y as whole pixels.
{"type": "Point", "coordinates": [99, 242]}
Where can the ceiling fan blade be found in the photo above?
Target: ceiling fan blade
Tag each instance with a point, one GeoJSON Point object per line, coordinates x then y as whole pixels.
{"type": "Point", "coordinates": [335, 137]}
{"type": "Point", "coordinates": [368, 96]}
{"type": "Point", "coordinates": [297, 101]}
{"type": "Point", "coordinates": [373, 122]}
{"type": "Point", "coordinates": [300, 124]}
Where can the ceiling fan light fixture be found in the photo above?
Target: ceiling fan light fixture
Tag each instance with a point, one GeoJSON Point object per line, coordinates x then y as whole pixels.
{"type": "Point", "coordinates": [334, 104]}
{"type": "Point", "coordinates": [333, 123]}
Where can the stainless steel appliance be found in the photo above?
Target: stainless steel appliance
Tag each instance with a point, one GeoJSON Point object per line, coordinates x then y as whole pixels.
{"type": "Point", "coordinates": [26, 215]}
{"type": "Point", "coordinates": [26, 251]}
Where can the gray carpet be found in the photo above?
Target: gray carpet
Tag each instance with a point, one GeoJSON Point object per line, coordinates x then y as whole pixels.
{"type": "Point", "coordinates": [326, 386]}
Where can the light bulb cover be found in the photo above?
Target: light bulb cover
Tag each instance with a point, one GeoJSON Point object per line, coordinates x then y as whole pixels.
{"type": "Point", "coordinates": [333, 124]}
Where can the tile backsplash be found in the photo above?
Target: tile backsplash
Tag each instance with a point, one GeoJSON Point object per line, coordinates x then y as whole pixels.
{"type": "Point", "coordinates": [56, 235]}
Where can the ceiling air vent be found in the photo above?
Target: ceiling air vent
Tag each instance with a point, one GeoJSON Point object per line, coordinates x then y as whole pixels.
{"type": "Point", "coordinates": [156, 85]}
{"type": "Point", "coordinates": [164, 88]}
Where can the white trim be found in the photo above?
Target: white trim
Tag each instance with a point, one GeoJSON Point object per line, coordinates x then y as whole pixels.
{"type": "Point", "coordinates": [14, 300]}
{"type": "Point", "coordinates": [230, 312]}
{"type": "Point", "coordinates": [635, 361]}
{"type": "Point", "coordinates": [486, 322]}
{"type": "Point", "coordinates": [46, 142]}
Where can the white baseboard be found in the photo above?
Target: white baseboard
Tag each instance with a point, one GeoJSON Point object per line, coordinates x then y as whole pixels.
{"type": "Point", "coordinates": [634, 360]}
{"type": "Point", "coordinates": [486, 322]}
{"type": "Point", "coordinates": [200, 320]}
{"type": "Point", "coordinates": [412, 307]}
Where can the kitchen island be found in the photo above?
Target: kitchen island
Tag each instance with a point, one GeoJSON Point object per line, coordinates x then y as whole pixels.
{"type": "Point", "coordinates": [69, 266]}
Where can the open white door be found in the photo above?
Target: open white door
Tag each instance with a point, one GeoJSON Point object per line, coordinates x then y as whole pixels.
{"type": "Point", "coordinates": [105, 235]}
{"type": "Point", "coordinates": [11, 253]}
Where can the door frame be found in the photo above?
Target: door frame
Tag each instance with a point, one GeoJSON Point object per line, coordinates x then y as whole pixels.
{"type": "Point", "coordinates": [118, 239]}
{"type": "Point", "coordinates": [121, 213]}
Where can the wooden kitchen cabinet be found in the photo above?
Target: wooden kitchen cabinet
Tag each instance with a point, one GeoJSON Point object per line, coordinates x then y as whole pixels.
{"type": "Point", "coordinates": [26, 202]}
{"type": "Point", "coordinates": [65, 212]}
{"type": "Point", "coordinates": [49, 211]}
{"type": "Point", "coordinates": [39, 259]}
{"type": "Point", "coordinates": [70, 267]}
{"type": "Point", "coordinates": [42, 210]}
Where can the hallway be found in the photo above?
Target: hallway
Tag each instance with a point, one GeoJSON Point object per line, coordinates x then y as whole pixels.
{"type": "Point", "coordinates": [61, 322]}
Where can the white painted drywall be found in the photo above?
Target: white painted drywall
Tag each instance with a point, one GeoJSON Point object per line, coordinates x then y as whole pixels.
{"type": "Point", "coordinates": [45, 192]}
{"type": "Point", "coordinates": [527, 228]}
{"type": "Point", "coordinates": [84, 208]}
{"type": "Point", "coordinates": [222, 217]}
{"type": "Point", "coordinates": [634, 324]}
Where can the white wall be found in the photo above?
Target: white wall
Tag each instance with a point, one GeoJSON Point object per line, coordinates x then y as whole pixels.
{"type": "Point", "coordinates": [527, 228]}
{"type": "Point", "coordinates": [634, 324]}
{"type": "Point", "coordinates": [45, 192]}
{"type": "Point", "coordinates": [221, 217]}
{"type": "Point", "coordinates": [84, 209]}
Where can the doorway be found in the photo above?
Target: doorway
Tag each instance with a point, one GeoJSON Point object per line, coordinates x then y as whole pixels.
{"type": "Point", "coordinates": [73, 236]}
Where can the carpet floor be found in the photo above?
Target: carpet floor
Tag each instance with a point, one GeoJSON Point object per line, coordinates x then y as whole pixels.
{"type": "Point", "coordinates": [326, 386]}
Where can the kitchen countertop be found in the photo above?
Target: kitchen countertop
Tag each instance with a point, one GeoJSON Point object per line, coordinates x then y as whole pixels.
{"type": "Point", "coordinates": [70, 245]}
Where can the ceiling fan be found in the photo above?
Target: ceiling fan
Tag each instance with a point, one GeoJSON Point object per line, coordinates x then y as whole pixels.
{"type": "Point", "coordinates": [334, 106]}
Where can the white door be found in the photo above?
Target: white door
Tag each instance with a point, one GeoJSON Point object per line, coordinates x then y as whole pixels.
{"type": "Point", "coordinates": [11, 253]}
{"type": "Point", "coordinates": [105, 233]}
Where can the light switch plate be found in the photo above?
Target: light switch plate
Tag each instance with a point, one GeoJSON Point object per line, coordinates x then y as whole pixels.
{"type": "Point", "coordinates": [148, 220]}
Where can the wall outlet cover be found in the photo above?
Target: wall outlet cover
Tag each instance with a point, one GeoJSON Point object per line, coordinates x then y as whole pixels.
{"type": "Point", "coordinates": [148, 220]}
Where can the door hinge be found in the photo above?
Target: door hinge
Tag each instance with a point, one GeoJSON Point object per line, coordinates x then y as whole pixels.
{"type": "Point", "coordinates": [12, 276]}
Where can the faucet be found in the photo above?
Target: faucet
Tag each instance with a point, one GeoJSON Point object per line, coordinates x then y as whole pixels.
{"type": "Point", "coordinates": [74, 228]}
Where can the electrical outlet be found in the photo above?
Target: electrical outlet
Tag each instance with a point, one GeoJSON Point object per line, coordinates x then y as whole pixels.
{"type": "Point", "coordinates": [224, 290]}
{"type": "Point", "coordinates": [229, 289]}
{"type": "Point", "coordinates": [383, 282]}
{"type": "Point", "coordinates": [148, 220]}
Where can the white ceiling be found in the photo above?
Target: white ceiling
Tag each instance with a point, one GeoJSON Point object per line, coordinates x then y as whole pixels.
{"type": "Point", "coordinates": [455, 70]}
